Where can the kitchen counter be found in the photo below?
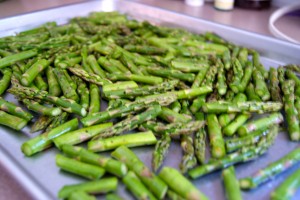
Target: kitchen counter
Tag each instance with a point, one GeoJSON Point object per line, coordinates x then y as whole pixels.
{"type": "Point", "coordinates": [255, 21]}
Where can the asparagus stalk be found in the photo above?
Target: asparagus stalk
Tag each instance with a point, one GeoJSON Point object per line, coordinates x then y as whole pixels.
{"type": "Point", "coordinates": [160, 151]}
{"type": "Point", "coordinates": [43, 141]}
{"type": "Point", "coordinates": [12, 121]}
{"type": "Point", "coordinates": [150, 80]}
{"type": "Point", "coordinates": [95, 99]}
{"type": "Point", "coordinates": [264, 122]}
{"type": "Point", "coordinates": [200, 141]}
{"type": "Point", "coordinates": [91, 60]}
{"type": "Point", "coordinates": [261, 88]}
{"type": "Point", "coordinates": [133, 183]}
{"type": "Point", "coordinates": [11, 59]}
{"type": "Point", "coordinates": [154, 183]}
{"type": "Point", "coordinates": [274, 85]}
{"type": "Point", "coordinates": [14, 110]}
{"type": "Point", "coordinates": [233, 126]}
{"type": "Point", "coordinates": [129, 140]}
{"type": "Point", "coordinates": [33, 71]}
{"type": "Point", "coordinates": [44, 110]}
{"type": "Point", "coordinates": [54, 87]}
{"type": "Point", "coordinates": [79, 168]}
{"type": "Point", "coordinates": [41, 123]}
{"type": "Point", "coordinates": [179, 184]}
{"type": "Point", "coordinates": [172, 116]}
{"type": "Point", "coordinates": [80, 135]}
{"type": "Point", "coordinates": [101, 186]}
{"type": "Point", "coordinates": [271, 170]}
{"type": "Point", "coordinates": [110, 165]}
{"type": "Point", "coordinates": [288, 188]}
{"type": "Point", "coordinates": [215, 137]}
{"type": "Point", "coordinates": [5, 81]}
{"type": "Point", "coordinates": [231, 184]}
{"type": "Point", "coordinates": [80, 195]}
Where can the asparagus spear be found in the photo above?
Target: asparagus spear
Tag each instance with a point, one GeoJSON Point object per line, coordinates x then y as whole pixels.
{"type": "Point", "coordinates": [103, 185]}
{"type": "Point", "coordinates": [154, 183]}
{"type": "Point", "coordinates": [200, 140]}
{"type": "Point", "coordinates": [80, 195]}
{"type": "Point", "coordinates": [250, 91]}
{"type": "Point", "coordinates": [33, 71]}
{"type": "Point", "coordinates": [44, 110]}
{"type": "Point", "coordinates": [11, 59]}
{"type": "Point", "coordinates": [54, 87]}
{"type": "Point", "coordinates": [110, 165]}
{"type": "Point", "coordinates": [95, 99]}
{"type": "Point", "coordinates": [80, 135]}
{"type": "Point", "coordinates": [79, 168]}
{"type": "Point", "coordinates": [288, 188]}
{"type": "Point", "coordinates": [57, 120]}
{"type": "Point", "coordinates": [5, 81]}
{"type": "Point", "coordinates": [233, 126]}
{"type": "Point", "coordinates": [215, 137]}
{"type": "Point", "coordinates": [221, 84]}
{"type": "Point", "coordinates": [12, 121]}
{"type": "Point", "coordinates": [271, 170]}
{"type": "Point", "coordinates": [113, 196]}
{"type": "Point", "coordinates": [130, 123]}
{"type": "Point", "coordinates": [290, 110]}
{"type": "Point", "coordinates": [261, 88]}
{"type": "Point", "coordinates": [179, 184]}
{"type": "Point", "coordinates": [175, 106]}
{"type": "Point", "coordinates": [231, 184]}
{"type": "Point", "coordinates": [91, 60]}
{"type": "Point", "coordinates": [171, 73]}
{"type": "Point", "coordinates": [133, 183]}
{"type": "Point", "coordinates": [43, 141]}
{"type": "Point", "coordinates": [172, 116]}
{"type": "Point", "coordinates": [274, 85]}
{"type": "Point", "coordinates": [160, 151]}
{"type": "Point", "coordinates": [248, 106]}
{"type": "Point", "coordinates": [129, 140]}
{"type": "Point", "coordinates": [14, 110]}
{"type": "Point", "coordinates": [263, 122]}
{"type": "Point", "coordinates": [41, 123]}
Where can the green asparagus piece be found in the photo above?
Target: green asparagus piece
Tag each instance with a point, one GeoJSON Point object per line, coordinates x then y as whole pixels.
{"type": "Point", "coordinates": [54, 87]}
{"type": "Point", "coordinates": [261, 123]}
{"type": "Point", "coordinates": [271, 170]}
{"type": "Point", "coordinates": [151, 181]}
{"type": "Point", "coordinates": [30, 93]}
{"type": "Point", "coordinates": [231, 184]}
{"type": "Point", "coordinates": [113, 196]}
{"type": "Point", "coordinates": [33, 71]}
{"type": "Point", "coordinates": [108, 65]}
{"type": "Point", "coordinates": [248, 106]}
{"type": "Point", "coordinates": [215, 137]}
{"type": "Point", "coordinates": [221, 84]}
{"type": "Point", "coordinates": [200, 77]}
{"type": "Point", "coordinates": [179, 184]}
{"type": "Point", "coordinates": [95, 99]}
{"type": "Point", "coordinates": [12, 59]}
{"type": "Point", "coordinates": [133, 183]}
{"type": "Point", "coordinates": [151, 80]}
{"type": "Point", "coordinates": [130, 123]}
{"type": "Point", "coordinates": [288, 188]}
{"type": "Point", "coordinates": [160, 151]}
{"type": "Point", "coordinates": [173, 196]}
{"type": "Point", "coordinates": [250, 91]}
{"type": "Point", "coordinates": [290, 110]}
{"type": "Point", "coordinates": [89, 76]}
{"type": "Point", "coordinates": [12, 121]}
{"type": "Point", "coordinates": [274, 85]}
{"type": "Point", "coordinates": [129, 140]}
{"type": "Point", "coordinates": [261, 88]}
{"type": "Point", "coordinates": [250, 139]}
{"type": "Point", "coordinates": [68, 91]}
{"type": "Point", "coordinates": [247, 76]}
{"type": "Point", "coordinates": [14, 110]}
{"type": "Point", "coordinates": [79, 168]}
{"type": "Point", "coordinates": [40, 83]}
{"type": "Point", "coordinates": [110, 165]}
{"type": "Point", "coordinates": [57, 120]}
{"type": "Point", "coordinates": [91, 60]}
{"type": "Point", "coordinates": [175, 106]}
{"type": "Point", "coordinates": [44, 110]}
{"type": "Point", "coordinates": [238, 75]}
{"type": "Point", "coordinates": [5, 81]}
{"type": "Point", "coordinates": [83, 93]}
{"type": "Point", "coordinates": [41, 123]}
{"type": "Point", "coordinates": [141, 91]}
{"type": "Point", "coordinates": [80, 195]}
{"type": "Point", "coordinates": [80, 135]}
{"type": "Point", "coordinates": [171, 73]}
{"type": "Point", "coordinates": [172, 116]}
{"type": "Point", "coordinates": [103, 185]}
{"type": "Point", "coordinates": [44, 141]}
{"type": "Point", "coordinates": [200, 140]}
{"type": "Point", "coordinates": [188, 66]}
{"type": "Point", "coordinates": [258, 65]}
{"type": "Point", "coordinates": [233, 126]}
{"type": "Point", "coordinates": [123, 85]}
{"type": "Point", "coordinates": [188, 160]}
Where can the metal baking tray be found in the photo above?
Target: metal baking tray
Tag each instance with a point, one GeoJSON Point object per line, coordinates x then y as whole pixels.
{"type": "Point", "coordinates": [39, 174]}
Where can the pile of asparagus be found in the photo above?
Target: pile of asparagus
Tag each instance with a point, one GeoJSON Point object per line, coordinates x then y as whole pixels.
{"type": "Point", "coordinates": [166, 84]}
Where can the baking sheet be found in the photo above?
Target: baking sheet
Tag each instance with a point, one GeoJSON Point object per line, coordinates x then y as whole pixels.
{"type": "Point", "coordinates": [39, 174]}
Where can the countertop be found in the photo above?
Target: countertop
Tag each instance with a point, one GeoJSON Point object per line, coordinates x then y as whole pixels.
{"type": "Point", "coordinates": [255, 21]}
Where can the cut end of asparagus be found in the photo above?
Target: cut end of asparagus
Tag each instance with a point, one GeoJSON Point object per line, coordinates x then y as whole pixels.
{"type": "Point", "coordinates": [26, 149]}
{"type": "Point", "coordinates": [83, 112]}
{"type": "Point", "coordinates": [56, 112]}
